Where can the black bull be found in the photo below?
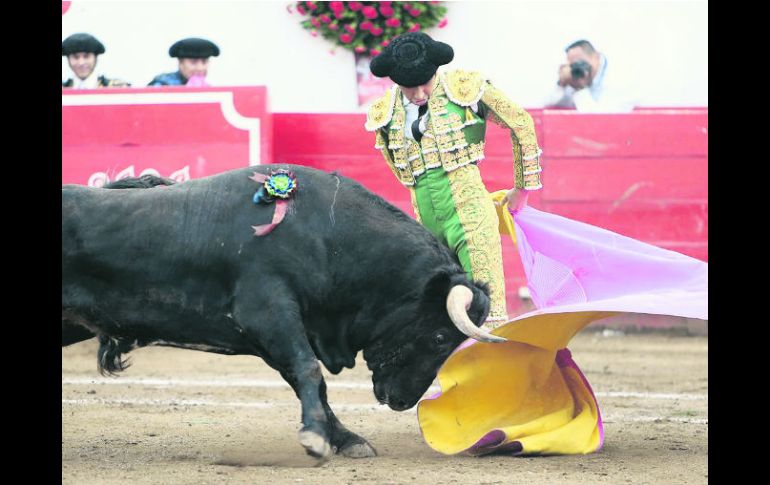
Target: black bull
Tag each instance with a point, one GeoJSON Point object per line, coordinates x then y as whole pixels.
{"type": "Point", "coordinates": [345, 271]}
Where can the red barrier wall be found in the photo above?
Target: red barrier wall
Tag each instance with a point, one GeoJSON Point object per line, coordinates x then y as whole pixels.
{"type": "Point", "coordinates": [175, 132]}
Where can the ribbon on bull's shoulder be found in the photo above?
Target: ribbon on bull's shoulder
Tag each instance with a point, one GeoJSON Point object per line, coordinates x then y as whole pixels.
{"type": "Point", "coordinates": [527, 396]}
{"type": "Point", "coordinates": [276, 188]}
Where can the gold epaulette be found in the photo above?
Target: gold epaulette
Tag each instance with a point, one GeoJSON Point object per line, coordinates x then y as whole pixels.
{"type": "Point", "coordinates": [381, 111]}
{"type": "Point", "coordinates": [463, 87]}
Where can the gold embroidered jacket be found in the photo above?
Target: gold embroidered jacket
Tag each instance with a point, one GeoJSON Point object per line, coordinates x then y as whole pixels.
{"type": "Point", "coordinates": [455, 132]}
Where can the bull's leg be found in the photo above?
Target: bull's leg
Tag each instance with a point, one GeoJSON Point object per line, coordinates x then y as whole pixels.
{"type": "Point", "coordinates": [282, 343]}
{"type": "Point", "coordinates": [344, 441]}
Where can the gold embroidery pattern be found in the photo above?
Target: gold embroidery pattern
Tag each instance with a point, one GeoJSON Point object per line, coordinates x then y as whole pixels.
{"type": "Point", "coordinates": [396, 133]}
{"type": "Point", "coordinates": [416, 164]}
{"type": "Point", "coordinates": [379, 142]}
{"type": "Point", "coordinates": [476, 151]}
{"type": "Point", "coordinates": [447, 124]}
{"type": "Point", "coordinates": [428, 145]}
{"type": "Point", "coordinates": [463, 156]}
{"type": "Point", "coordinates": [397, 123]}
{"type": "Point", "coordinates": [458, 137]}
{"type": "Point", "coordinates": [523, 138]}
{"type": "Point", "coordinates": [479, 220]}
{"type": "Point", "coordinates": [445, 143]}
{"type": "Point", "coordinates": [414, 205]}
{"type": "Point", "coordinates": [380, 112]}
{"type": "Point", "coordinates": [463, 87]}
{"type": "Point", "coordinates": [412, 150]}
{"type": "Point", "coordinates": [437, 101]}
{"type": "Point", "coordinates": [402, 173]}
{"type": "Point", "coordinates": [432, 160]}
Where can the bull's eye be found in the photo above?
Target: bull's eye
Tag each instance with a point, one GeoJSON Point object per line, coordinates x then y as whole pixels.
{"type": "Point", "coordinates": [439, 339]}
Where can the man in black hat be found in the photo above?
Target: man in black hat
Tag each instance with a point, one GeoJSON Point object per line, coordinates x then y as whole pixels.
{"type": "Point", "coordinates": [193, 55]}
{"type": "Point", "coordinates": [81, 51]}
{"type": "Point", "coordinates": [430, 128]}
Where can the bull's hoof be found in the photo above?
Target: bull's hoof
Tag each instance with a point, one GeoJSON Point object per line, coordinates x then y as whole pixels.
{"type": "Point", "coordinates": [358, 450]}
{"type": "Point", "coordinates": [315, 445]}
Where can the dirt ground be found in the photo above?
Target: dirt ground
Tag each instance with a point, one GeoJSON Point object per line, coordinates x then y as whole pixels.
{"type": "Point", "coordinates": [187, 417]}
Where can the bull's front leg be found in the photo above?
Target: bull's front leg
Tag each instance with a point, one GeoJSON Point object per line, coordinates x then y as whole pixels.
{"type": "Point", "coordinates": [307, 382]}
{"type": "Point", "coordinates": [344, 441]}
{"type": "Point", "coordinates": [285, 348]}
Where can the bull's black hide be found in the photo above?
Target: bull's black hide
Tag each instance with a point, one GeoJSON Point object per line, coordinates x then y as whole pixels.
{"type": "Point", "coordinates": [179, 265]}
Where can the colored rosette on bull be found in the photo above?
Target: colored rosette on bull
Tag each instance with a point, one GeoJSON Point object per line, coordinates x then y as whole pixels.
{"type": "Point", "coordinates": [281, 184]}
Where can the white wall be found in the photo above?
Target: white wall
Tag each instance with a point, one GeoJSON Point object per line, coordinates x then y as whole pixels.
{"type": "Point", "coordinates": [660, 47]}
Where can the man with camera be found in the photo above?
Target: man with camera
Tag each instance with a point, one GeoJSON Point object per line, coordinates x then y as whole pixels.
{"type": "Point", "coordinates": [583, 83]}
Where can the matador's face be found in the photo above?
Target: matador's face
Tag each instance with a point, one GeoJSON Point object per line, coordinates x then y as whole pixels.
{"type": "Point", "coordinates": [419, 94]}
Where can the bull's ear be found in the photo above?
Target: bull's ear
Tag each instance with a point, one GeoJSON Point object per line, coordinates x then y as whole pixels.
{"type": "Point", "coordinates": [438, 285]}
{"type": "Point", "coordinates": [480, 306]}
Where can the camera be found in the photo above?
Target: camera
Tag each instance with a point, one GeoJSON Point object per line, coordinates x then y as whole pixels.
{"type": "Point", "coordinates": [580, 69]}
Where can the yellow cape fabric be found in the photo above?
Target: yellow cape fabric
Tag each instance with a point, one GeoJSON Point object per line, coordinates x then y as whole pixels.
{"type": "Point", "coordinates": [506, 221]}
{"type": "Point", "coordinates": [515, 390]}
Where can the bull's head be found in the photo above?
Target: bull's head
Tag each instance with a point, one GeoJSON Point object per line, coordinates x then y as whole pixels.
{"type": "Point", "coordinates": [421, 333]}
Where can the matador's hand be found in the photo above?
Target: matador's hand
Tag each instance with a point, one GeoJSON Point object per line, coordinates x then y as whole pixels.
{"type": "Point", "coordinates": [516, 199]}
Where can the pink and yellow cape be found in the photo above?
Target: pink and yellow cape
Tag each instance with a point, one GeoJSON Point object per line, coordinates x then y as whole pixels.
{"type": "Point", "coordinates": [527, 395]}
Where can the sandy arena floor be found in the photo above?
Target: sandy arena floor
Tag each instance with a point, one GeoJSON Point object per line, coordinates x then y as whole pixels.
{"type": "Point", "coordinates": [187, 417]}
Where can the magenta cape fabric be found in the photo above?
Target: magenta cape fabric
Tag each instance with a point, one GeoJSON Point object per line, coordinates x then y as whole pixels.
{"type": "Point", "coordinates": [572, 266]}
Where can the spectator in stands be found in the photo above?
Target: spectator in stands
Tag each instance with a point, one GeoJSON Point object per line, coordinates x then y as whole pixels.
{"type": "Point", "coordinates": [193, 55]}
{"type": "Point", "coordinates": [585, 83]}
{"type": "Point", "coordinates": [82, 51]}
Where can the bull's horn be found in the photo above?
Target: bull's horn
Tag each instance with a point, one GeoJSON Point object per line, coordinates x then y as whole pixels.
{"type": "Point", "coordinates": [457, 303]}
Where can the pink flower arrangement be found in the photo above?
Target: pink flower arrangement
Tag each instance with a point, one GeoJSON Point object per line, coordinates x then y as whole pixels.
{"type": "Point", "coordinates": [369, 12]}
{"type": "Point", "coordinates": [367, 27]}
